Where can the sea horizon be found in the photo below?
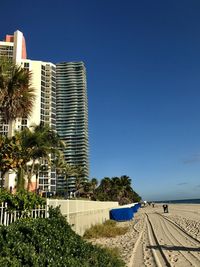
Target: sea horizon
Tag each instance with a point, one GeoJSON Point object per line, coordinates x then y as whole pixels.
{"type": "Point", "coordinates": [180, 201]}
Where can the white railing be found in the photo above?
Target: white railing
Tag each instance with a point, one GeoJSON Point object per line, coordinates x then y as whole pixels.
{"type": "Point", "coordinates": [9, 216]}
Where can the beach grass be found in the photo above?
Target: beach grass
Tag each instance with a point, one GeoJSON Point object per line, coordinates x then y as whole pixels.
{"type": "Point", "coordinates": [108, 229]}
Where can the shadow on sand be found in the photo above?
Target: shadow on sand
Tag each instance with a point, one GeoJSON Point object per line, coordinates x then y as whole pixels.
{"type": "Point", "coordinates": [175, 248]}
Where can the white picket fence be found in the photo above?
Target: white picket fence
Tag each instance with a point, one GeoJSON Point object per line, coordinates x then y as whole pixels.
{"type": "Point", "coordinates": [9, 216]}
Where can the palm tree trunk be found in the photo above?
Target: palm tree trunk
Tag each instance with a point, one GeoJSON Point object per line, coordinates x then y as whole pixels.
{"type": "Point", "coordinates": [10, 128]}
{"type": "Point", "coordinates": [36, 184]}
{"type": "Point", "coordinates": [20, 179]}
{"type": "Point", "coordinates": [30, 175]}
{"type": "Point", "coordinates": [10, 134]}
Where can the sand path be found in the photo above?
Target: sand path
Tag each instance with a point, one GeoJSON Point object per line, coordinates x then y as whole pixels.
{"type": "Point", "coordinates": [164, 242]}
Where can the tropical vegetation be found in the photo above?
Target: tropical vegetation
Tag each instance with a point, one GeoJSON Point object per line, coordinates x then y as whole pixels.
{"type": "Point", "coordinates": [116, 189]}
{"type": "Point", "coordinates": [28, 152]}
{"type": "Point", "coordinates": [10, 155]}
{"type": "Point", "coordinates": [49, 242]}
{"type": "Point", "coordinates": [109, 189]}
{"type": "Point", "coordinates": [17, 96]}
{"type": "Point", "coordinates": [39, 145]}
{"type": "Point", "coordinates": [22, 200]}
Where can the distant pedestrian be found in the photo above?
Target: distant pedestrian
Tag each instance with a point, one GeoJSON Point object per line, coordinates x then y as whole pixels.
{"type": "Point", "coordinates": [165, 208]}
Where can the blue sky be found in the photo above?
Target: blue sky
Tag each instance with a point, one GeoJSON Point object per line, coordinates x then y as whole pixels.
{"type": "Point", "coordinates": [143, 72]}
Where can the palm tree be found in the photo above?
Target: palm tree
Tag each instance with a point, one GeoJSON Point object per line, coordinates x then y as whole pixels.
{"type": "Point", "coordinates": [94, 183]}
{"type": "Point", "coordinates": [16, 94]}
{"type": "Point", "coordinates": [116, 182]}
{"type": "Point", "coordinates": [59, 163]}
{"type": "Point", "coordinates": [20, 179]}
{"type": "Point", "coordinates": [79, 178]}
{"type": "Point", "coordinates": [27, 168]}
{"type": "Point", "coordinates": [38, 144]}
{"type": "Point", "coordinates": [63, 169]}
{"type": "Point", "coordinates": [125, 180]}
{"type": "Point", "coordinates": [10, 155]}
{"type": "Point", "coordinates": [106, 184]}
{"type": "Point", "coordinates": [87, 189]}
{"type": "Point", "coordinates": [37, 169]}
{"type": "Point", "coordinates": [102, 192]}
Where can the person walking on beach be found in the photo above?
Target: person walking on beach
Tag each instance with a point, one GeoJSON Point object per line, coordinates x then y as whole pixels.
{"type": "Point", "coordinates": [165, 208]}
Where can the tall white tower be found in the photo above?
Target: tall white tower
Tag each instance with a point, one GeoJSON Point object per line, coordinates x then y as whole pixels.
{"type": "Point", "coordinates": [44, 109]}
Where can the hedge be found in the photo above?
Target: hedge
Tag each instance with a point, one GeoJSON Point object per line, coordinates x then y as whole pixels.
{"type": "Point", "coordinates": [49, 242]}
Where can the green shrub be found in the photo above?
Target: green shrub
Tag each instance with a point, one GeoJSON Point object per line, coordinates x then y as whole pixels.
{"type": "Point", "coordinates": [107, 229]}
{"type": "Point", "coordinates": [114, 251]}
{"type": "Point", "coordinates": [22, 200]}
{"type": "Point", "coordinates": [49, 242]}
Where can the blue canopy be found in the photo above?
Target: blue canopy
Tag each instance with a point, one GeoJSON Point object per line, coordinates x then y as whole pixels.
{"type": "Point", "coordinates": [123, 214]}
{"type": "Point", "coordinates": [134, 208]}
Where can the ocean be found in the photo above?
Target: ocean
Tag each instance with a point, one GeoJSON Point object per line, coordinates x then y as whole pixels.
{"type": "Point", "coordinates": [181, 201]}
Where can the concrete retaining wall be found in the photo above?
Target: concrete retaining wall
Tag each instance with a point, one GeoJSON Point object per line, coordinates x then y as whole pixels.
{"type": "Point", "coordinates": [82, 214]}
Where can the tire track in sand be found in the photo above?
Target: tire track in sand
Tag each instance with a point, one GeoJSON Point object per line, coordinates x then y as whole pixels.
{"type": "Point", "coordinates": [163, 243]}
{"type": "Point", "coordinates": [179, 248]}
{"type": "Point", "coordinates": [142, 255]}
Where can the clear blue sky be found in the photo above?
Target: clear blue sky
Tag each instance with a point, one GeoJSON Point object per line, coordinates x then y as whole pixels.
{"type": "Point", "coordinates": [143, 71]}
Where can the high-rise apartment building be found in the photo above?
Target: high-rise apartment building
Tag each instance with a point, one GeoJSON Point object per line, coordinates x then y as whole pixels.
{"type": "Point", "coordinates": [13, 47]}
{"type": "Point", "coordinates": [61, 102]}
{"type": "Point", "coordinates": [44, 109]}
{"type": "Point", "coordinates": [72, 115]}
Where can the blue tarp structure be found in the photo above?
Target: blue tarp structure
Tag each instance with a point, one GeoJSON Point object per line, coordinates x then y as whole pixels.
{"type": "Point", "coordinates": [136, 207]}
{"type": "Point", "coordinates": [124, 214]}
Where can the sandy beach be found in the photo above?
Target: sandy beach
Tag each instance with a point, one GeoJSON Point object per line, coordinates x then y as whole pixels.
{"type": "Point", "coordinates": [160, 239]}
